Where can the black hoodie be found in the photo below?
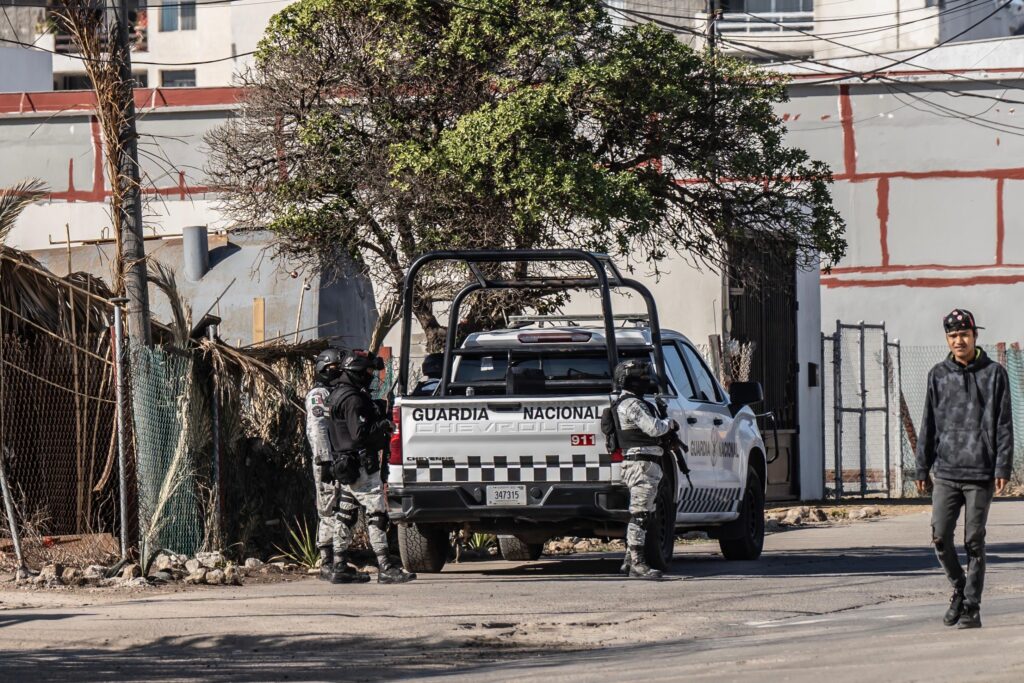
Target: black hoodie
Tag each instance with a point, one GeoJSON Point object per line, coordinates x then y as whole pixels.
{"type": "Point", "coordinates": [967, 430]}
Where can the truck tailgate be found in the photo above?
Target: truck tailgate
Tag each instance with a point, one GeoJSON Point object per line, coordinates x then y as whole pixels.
{"type": "Point", "coordinates": [503, 439]}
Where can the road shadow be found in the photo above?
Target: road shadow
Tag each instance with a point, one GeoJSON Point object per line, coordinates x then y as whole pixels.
{"type": "Point", "coordinates": [9, 619]}
{"type": "Point", "coordinates": [848, 561]}
{"type": "Point", "coordinates": [281, 657]}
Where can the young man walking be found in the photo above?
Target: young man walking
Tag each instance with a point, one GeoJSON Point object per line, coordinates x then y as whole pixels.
{"type": "Point", "coordinates": [966, 443]}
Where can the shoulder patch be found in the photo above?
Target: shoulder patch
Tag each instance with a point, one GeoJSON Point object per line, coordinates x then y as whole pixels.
{"type": "Point", "coordinates": [318, 411]}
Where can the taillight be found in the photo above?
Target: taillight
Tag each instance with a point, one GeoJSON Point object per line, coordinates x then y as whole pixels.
{"type": "Point", "coordinates": [617, 455]}
{"type": "Point", "coordinates": [396, 437]}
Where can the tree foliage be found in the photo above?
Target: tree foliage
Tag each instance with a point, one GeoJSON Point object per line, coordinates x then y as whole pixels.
{"type": "Point", "coordinates": [381, 129]}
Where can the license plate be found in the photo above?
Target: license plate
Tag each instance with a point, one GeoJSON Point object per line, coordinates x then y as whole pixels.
{"type": "Point", "coordinates": [506, 495]}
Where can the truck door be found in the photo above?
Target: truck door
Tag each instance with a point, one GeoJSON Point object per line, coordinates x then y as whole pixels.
{"type": "Point", "coordinates": [693, 427]}
{"type": "Point", "coordinates": [712, 412]}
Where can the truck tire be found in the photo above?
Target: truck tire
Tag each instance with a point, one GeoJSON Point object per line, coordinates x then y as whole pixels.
{"type": "Point", "coordinates": [424, 548]}
{"type": "Point", "coordinates": [661, 534]}
{"type": "Point", "coordinates": [514, 550]}
{"type": "Point", "coordinates": [744, 538]}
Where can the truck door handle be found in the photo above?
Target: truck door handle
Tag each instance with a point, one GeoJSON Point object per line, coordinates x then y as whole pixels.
{"type": "Point", "coordinates": [717, 422]}
{"type": "Point", "coordinates": [691, 420]}
{"type": "Point", "coordinates": [504, 407]}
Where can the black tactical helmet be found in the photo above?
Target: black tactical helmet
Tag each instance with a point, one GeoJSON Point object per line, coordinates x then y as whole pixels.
{"type": "Point", "coordinates": [636, 375]}
{"type": "Point", "coordinates": [328, 366]}
{"type": "Point", "coordinates": [358, 366]}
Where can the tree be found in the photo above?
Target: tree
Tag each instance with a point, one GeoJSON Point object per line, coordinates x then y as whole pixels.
{"type": "Point", "coordinates": [381, 129]}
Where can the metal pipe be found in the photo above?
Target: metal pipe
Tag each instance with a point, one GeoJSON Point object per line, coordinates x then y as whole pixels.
{"type": "Point", "coordinates": [218, 480]}
{"type": "Point", "coordinates": [453, 323]}
{"type": "Point", "coordinates": [886, 384]}
{"type": "Point", "coordinates": [863, 416]}
{"type": "Point", "coordinates": [11, 521]}
{"type": "Point", "coordinates": [122, 457]}
{"type": "Point", "coordinates": [837, 403]}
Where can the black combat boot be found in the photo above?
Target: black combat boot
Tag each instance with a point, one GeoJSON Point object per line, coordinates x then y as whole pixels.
{"type": "Point", "coordinates": [624, 569]}
{"type": "Point", "coordinates": [344, 573]}
{"type": "Point", "coordinates": [392, 572]}
{"type": "Point", "coordinates": [956, 608]}
{"type": "Point", "coordinates": [326, 562]}
{"type": "Point", "coordinates": [638, 568]}
{"type": "Point", "coordinates": [970, 617]}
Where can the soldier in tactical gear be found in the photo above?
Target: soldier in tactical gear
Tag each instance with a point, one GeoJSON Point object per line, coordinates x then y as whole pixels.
{"type": "Point", "coordinates": [318, 431]}
{"type": "Point", "coordinates": [638, 430]}
{"type": "Point", "coordinates": [360, 430]}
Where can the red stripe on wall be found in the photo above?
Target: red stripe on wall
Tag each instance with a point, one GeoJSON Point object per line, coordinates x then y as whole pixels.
{"type": "Point", "coordinates": [883, 219]}
{"type": "Point", "coordinates": [925, 282]}
{"type": "Point", "coordinates": [849, 140]}
{"type": "Point", "coordinates": [1000, 222]}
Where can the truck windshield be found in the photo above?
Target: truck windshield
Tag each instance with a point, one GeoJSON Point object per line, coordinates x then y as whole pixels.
{"type": "Point", "coordinates": [518, 372]}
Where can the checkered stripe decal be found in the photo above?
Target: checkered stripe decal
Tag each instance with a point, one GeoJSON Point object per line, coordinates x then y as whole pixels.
{"type": "Point", "coordinates": [500, 468]}
{"type": "Point", "coordinates": [698, 500]}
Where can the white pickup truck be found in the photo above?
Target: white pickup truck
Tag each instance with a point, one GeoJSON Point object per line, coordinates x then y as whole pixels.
{"type": "Point", "coordinates": [509, 441]}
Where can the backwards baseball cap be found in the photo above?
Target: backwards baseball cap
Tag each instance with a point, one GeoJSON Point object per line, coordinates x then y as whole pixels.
{"type": "Point", "coordinates": [960, 319]}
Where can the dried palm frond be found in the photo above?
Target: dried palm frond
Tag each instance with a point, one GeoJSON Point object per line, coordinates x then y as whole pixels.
{"type": "Point", "coordinates": [14, 199]}
{"type": "Point", "coordinates": [163, 277]}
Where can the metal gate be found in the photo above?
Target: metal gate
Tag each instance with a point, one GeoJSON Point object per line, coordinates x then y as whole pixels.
{"type": "Point", "coordinates": [862, 445]}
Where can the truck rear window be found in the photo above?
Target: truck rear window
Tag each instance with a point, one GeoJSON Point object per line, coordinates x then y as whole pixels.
{"type": "Point", "coordinates": [535, 372]}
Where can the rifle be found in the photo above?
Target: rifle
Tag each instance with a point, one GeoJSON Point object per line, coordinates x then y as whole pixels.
{"type": "Point", "coordinates": [671, 443]}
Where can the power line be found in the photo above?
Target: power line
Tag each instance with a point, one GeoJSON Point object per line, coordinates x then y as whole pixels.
{"type": "Point", "coordinates": [83, 58]}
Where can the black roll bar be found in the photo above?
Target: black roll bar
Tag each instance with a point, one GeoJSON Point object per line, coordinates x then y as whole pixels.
{"type": "Point", "coordinates": [601, 264]}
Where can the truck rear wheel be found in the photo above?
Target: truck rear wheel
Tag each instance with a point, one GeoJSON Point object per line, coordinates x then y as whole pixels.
{"type": "Point", "coordinates": [515, 550]}
{"type": "Point", "coordinates": [661, 533]}
{"type": "Point", "coordinates": [744, 538]}
{"type": "Point", "coordinates": [423, 547]}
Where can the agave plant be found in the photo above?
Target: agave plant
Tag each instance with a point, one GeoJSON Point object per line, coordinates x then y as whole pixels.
{"type": "Point", "coordinates": [302, 549]}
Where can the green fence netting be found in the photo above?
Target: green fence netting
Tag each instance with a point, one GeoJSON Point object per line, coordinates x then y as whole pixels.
{"type": "Point", "coordinates": [170, 401]}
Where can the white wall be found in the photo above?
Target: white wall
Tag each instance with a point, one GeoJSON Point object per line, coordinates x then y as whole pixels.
{"type": "Point", "coordinates": [812, 456]}
{"type": "Point", "coordinates": [23, 70]}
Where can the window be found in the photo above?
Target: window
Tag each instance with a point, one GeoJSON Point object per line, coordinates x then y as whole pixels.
{"type": "Point", "coordinates": [768, 6]}
{"type": "Point", "coordinates": [178, 79]}
{"type": "Point", "coordinates": [178, 15]}
{"type": "Point", "coordinates": [706, 388]}
{"type": "Point", "coordinates": [676, 369]}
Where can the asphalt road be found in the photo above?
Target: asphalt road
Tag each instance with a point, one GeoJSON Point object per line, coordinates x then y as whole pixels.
{"type": "Point", "coordinates": [849, 603]}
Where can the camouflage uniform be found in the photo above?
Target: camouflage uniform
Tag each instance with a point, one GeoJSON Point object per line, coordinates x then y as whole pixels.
{"type": "Point", "coordinates": [318, 434]}
{"type": "Point", "coordinates": [641, 476]}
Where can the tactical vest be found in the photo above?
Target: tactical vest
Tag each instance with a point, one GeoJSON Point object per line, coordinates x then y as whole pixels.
{"type": "Point", "coordinates": [341, 440]}
{"type": "Point", "coordinates": [633, 437]}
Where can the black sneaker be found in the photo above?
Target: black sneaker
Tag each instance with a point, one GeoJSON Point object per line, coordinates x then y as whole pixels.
{"type": "Point", "coordinates": [956, 608]}
{"type": "Point", "coordinates": [971, 617]}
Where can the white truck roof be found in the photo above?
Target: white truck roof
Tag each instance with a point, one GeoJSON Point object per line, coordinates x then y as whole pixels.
{"type": "Point", "coordinates": [591, 335]}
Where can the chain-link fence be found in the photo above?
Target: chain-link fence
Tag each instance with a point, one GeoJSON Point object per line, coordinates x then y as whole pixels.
{"type": "Point", "coordinates": [58, 425]}
{"type": "Point", "coordinates": [171, 411]}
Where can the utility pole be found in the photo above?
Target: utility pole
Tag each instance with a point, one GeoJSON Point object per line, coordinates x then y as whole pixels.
{"type": "Point", "coordinates": [714, 9]}
{"type": "Point", "coordinates": [133, 249]}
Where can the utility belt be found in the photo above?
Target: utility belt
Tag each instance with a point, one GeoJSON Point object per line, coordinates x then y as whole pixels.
{"type": "Point", "coordinates": [346, 465]}
{"type": "Point", "coordinates": [642, 457]}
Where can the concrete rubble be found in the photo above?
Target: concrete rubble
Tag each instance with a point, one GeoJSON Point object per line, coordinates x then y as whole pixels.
{"type": "Point", "coordinates": [206, 568]}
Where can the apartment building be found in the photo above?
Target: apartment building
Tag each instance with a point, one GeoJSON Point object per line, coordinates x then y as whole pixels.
{"type": "Point", "coordinates": [175, 43]}
{"type": "Point", "coordinates": [781, 30]}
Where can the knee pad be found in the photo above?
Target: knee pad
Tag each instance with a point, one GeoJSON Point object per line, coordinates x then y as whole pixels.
{"type": "Point", "coordinates": [378, 519]}
{"type": "Point", "coordinates": [641, 519]}
{"type": "Point", "coordinates": [348, 516]}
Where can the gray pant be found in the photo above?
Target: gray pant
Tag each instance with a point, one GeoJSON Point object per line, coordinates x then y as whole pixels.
{"type": "Point", "coordinates": [947, 499]}
{"type": "Point", "coordinates": [642, 478]}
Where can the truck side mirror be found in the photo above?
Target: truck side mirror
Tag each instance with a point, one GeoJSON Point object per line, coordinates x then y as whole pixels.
{"type": "Point", "coordinates": [745, 394]}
